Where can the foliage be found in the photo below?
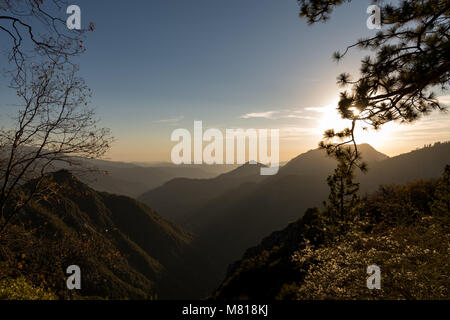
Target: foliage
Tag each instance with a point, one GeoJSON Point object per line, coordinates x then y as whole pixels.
{"type": "Point", "coordinates": [414, 264]}
{"type": "Point", "coordinates": [123, 248]}
{"type": "Point", "coordinates": [53, 123]}
{"type": "Point", "coordinates": [343, 199]}
{"type": "Point", "coordinates": [37, 32]}
{"type": "Point", "coordinates": [410, 59]}
{"type": "Point", "coordinates": [441, 204]}
{"type": "Point", "coordinates": [21, 289]}
{"type": "Point", "coordinates": [399, 228]}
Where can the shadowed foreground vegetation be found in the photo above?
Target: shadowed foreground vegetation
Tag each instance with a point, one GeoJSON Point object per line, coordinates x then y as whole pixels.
{"type": "Point", "coordinates": [124, 249]}
{"type": "Point", "coordinates": [404, 229]}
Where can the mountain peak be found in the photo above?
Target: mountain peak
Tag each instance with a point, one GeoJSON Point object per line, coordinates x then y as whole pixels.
{"type": "Point", "coordinates": [63, 175]}
{"type": "Point", "coordinates": [247, 169]}
{"type": "Point", "coordinates": [316, 161]}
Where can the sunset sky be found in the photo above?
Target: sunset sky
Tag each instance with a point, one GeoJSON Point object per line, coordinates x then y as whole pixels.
{"type": "Point", "coordinates": [158, 65]}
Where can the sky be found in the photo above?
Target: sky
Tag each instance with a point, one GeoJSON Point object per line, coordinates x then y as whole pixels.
{"type": "Point", "coordinates": [158, 65]}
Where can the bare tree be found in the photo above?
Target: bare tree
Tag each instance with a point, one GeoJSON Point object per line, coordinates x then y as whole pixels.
{"type": "Point", "coordinates": [37, 30]}
{"type": "Point", "coordinates": [53, 127]}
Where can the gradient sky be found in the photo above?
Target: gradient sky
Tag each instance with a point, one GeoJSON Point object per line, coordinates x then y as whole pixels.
{"type": "Point", "coordinates": [158, 65]}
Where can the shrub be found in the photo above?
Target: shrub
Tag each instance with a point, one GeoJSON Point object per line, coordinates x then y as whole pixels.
{"type": "Point", "coordinates": [20, 289]}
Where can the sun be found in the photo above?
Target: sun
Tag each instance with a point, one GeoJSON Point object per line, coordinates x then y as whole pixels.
{"type": "Point", "coordinates": [331, 119]}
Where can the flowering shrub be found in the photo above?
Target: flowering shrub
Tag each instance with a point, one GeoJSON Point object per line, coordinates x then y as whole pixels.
{"type": "Point", "coordinates": [20, 289]}
{"type": "Point", "coordinates": [414, 262]}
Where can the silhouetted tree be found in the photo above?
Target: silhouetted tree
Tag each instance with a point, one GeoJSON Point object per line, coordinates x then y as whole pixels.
{"type": "Point", "coordinates": [37, 30]}
{"type": "Point", "coordinates": [53, 123]}
{"type": "Point", "coordinates": [441, 204]}
{"type": "Point", "coordinates": [54, 126]}
{"type": "Point", "coordinates": [343, 195]}
{"type": "Point", "coordinates": [411, 58]}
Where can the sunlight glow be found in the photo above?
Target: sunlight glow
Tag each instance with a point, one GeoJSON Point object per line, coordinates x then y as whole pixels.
{"type": "Point", "coordinates": [331, 119]}
{"type": "Point", "coordinates": [355, 111]}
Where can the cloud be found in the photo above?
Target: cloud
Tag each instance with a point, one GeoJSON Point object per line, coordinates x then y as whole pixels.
{"type": "Point", "coordinates": [444, 100]}
{"type": "Point", "coordinates": [170, 121]}
{"type": "Point", "coordinates": [318, 109]}
{"type": "Point", "coordinates": [296, 133]}
{"type": "Point", "coordinates": [266, 115]}
{"type": "Point", "coordinates": [294, 116]}
{"type": "Point", "coordinates": [278, 114]}
{"type": "Point", "coordinates": [426, 130]}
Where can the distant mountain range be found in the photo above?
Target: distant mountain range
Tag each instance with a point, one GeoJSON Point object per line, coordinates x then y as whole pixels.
{"type": "Point", "coordinates": [180, 242]}
{"type": "Point", "coordinates": [235, 211]}
{"type": "Point", "coordinates": [424, 163]}
{"type": "Point", "coordinates": [396, 219]}
{"type": "Point", "coordinates": [133, 180]}
{"type": "Point", "coordinates": [180, 197]}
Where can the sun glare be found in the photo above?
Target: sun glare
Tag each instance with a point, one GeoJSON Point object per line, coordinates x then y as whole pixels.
{"type": "Point", "coordinates": [331, 119]}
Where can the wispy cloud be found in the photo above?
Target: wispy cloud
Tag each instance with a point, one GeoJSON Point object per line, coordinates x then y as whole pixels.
{"type": "Point", "coordinates": [295, 116]}
{"type": "Point", "coordinates": [278, 114]}
{"type": "Point", "coordinates": [266, 115]}
{"type": "Point", "coordinates": [318, 109]}
{"type": "Point", "coordinates": [170, 120]}
{"type": "Point", "coordinates": [296, 133]}
{"type": "Point", "coordinates": [444, 100]}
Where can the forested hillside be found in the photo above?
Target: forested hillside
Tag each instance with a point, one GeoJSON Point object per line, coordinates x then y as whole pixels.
{"type": "Point", "coordinates": [124, 248]}
{"type": "Point", "coordinates": [403, 229]}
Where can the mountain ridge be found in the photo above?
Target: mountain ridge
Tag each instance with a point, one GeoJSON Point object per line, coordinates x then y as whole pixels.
{"type": "Point", "coordinates": [123, 247]}
{"type": "Point", "coordinates": [242, 216]}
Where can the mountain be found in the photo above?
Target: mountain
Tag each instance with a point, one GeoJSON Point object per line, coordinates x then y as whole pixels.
{"type": "Point", "coordinates": [124, 248]}
{"type": "Point", "coordinates": [239, 219]}
{"type": "Point", "coordinates": [424, 163]}
{"type": "Point", "coordinates": [127, 250]}
{"type": "Point", "coordinates": [316, 163]}
{"type": "Point", "coordinates": [179, 199]}
{"type": "Point", "coordinates": [234, 210]}
{"type": "Point", "coordinates": [264, 269]}
{"type": "Point", "coordinates": [132, 180]}
{"type": "Point", "coordinates": [241, 216]}
{"type": "Point", "coordinates": [176, 199]}
{"type": "Point", "coordinates": [128, 179]}
{"type": "Point", "coordinates": [303, 261]}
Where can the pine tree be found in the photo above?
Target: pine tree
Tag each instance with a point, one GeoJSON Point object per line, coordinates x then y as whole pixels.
{"type": "Point", "coordinates": [411, 58]}
{"type": "Point", "coordinates": [441, 204]}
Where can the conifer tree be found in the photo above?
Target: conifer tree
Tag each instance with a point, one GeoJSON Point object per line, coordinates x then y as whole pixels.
{"type": "Point", "coordinates": [409, 61]}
